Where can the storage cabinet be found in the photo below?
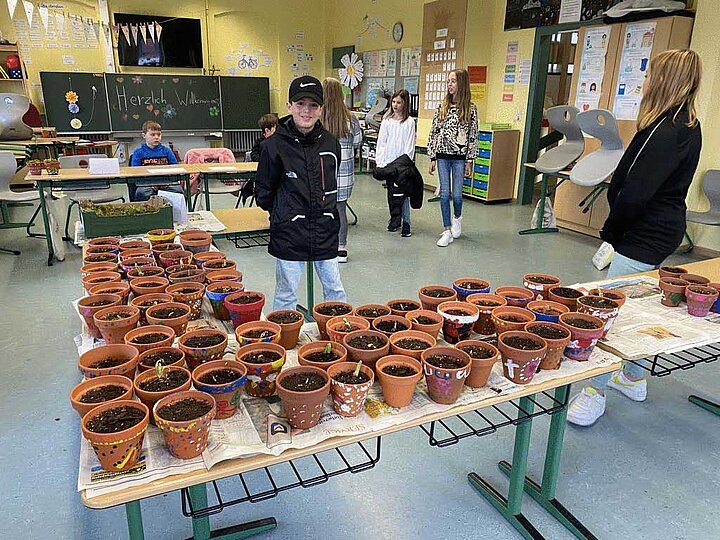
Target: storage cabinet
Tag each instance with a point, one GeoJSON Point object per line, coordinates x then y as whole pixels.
{"type": "Point", "coordinates": [493, 175]}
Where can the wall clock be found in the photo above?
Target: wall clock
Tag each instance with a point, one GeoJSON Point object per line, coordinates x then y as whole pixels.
{"type": "Point", "coordinates": [397, 32]}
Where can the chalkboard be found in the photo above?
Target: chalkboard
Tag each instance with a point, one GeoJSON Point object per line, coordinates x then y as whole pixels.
{"type": "Point", "coordinates": [176, 102]}
{"type": "Point", "coordinates": [91, 103]}
{"type": "Point", "coordinates": [244, 101]}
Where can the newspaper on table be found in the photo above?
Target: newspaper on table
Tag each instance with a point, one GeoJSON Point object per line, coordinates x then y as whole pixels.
{"type": "Point", "coordinates": [644, 327]}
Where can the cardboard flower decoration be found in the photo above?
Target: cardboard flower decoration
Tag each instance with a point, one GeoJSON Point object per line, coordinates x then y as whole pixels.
{"type": "Point", "coordinates": [352, 72]}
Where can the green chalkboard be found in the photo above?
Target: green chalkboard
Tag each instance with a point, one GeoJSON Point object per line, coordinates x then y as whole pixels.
{"type": "Point", "coordinates": [92, 105]}
{"type": "Point", "coordinates": [176, 102]}
{"type": "Point", "coordinates": [338, 53]}
{"type": "Point", "coordinates": [244, 101]}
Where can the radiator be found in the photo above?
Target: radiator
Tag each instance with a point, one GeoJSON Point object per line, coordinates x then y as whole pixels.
{"type": "Point", "coordinates": [241, 141]}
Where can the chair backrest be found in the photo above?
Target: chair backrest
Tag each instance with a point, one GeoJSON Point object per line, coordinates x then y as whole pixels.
{"type": "Point", "coordinates": [76, 162]}
{"type": "Point", "coordinates": [12, 109]}
{"type": "Point", "coordinates": [596, 166]}
{"type": "Point", "coordinates": [8, 168]}
{"type": "Point", "coordinates": [562, 118]}
{"type": "Point", "coordinates": [601, 124]}
{"type": "Point", "coordinates": [371, 118]}
{"type": "Point", "coordinates": [209, 155]}
{"type": "Point", "coordinates": [711, 188]}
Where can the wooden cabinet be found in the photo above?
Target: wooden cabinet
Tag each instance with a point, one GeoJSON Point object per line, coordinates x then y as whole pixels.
{"type": "Point", "coordinates": [493, 176]}
{"type": "Point", "coordinates": [14, 86]}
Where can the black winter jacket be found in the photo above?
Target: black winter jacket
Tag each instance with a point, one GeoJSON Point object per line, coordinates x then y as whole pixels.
{"type": "Point", "coordinates": [296, 181]}
{"type": "Point", "coordinates": [406, 178]}
{"type": "Point", "coordinates": [648, 189]}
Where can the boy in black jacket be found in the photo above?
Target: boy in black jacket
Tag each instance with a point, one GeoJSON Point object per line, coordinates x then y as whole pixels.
{"type": "Point", "coordinates": [296, 182]}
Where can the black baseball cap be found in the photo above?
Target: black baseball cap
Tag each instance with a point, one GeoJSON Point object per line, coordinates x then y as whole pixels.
{"type": "Point", "coordinates": [305, 86]}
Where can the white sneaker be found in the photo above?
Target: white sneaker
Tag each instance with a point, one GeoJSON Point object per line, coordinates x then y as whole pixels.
{"type": "Point", "coordinates": [635, 390]}
{"type": "Point", "coordinates": [586, 407]}
{"type": "Point", "coordinates": [446, 238]}
{"type": "Point", "coordinates": [456, 227]}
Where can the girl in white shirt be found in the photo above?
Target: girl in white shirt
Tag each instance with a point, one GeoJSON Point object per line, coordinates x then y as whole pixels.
{"type": "Point", "coordinates": [397, 137]}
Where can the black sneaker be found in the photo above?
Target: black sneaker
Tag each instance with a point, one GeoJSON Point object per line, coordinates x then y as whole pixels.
{"type": "Point", "coordinates": [406, 233]}
{"type": "Point", "coordinates": [393, 228]}
{"type": "Point", "coordinates": [342, 256]}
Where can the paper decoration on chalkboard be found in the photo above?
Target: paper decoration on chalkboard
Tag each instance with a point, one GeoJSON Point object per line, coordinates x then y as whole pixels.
{"type": "Point", "coordinates": [158, 30]}
{"type": "Point", "coordinates": [76, 123]}
{"type": "Point", "coordinates": [12, 4]}
{"type": "Point", "coordinates": [151, 31]}
{"type": "Point", "coordinates": [143, 32]}
{"type": "Point", "coordinates": [29, 10]}
{"type": "Point", "coordinates": [134, 31]}
{"type": "Point", "coordinates": [352, 72]}
{"type": "Point", "coordinates": [126, 32]}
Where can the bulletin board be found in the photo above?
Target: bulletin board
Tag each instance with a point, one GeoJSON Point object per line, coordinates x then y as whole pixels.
{"type": "Point", "coordinates": [389, 70]}
{"type": "Point", "coordinates": [443, 42]}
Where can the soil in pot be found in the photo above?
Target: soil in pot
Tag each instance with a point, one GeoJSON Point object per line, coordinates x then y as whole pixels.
{"type": "Point", "coordinates": [116, 316]}
{"type": "Point", "coordinates": [399, 371]}
{"type": "Point", "coordinates": [147, 339]}
{"type": "Point", "coordinates": [373, 313]}
{"type": "Point", "coordinates": [541, 279]}
{"type": "Point", "coordinates": [582, 323]}
{"type": "Point", "coordinates": [287, 317]}
{"type": "Point", "coordinates": [171, 379]}
{"type": "Point", "coordinates": [567, 292]}
{"type": "Point", "coordinates": [200, 342]}
{"type": "Point", "coordinates": [108, 363]}
{"type": "Point", "coordinates": [115, 420]}
{"type": "Point", "coordinates": [512, 318]}
{"type": "Point", "coordinates": [598, 302]}
{"type": "Point", "coordinates": [333, 310]}
{"type": "Point", "coordinates": [322, 356]}
{"type": "Point", "coordinates": [547, 310]}
{"type": "Point", "coordinates": [184, 410]}
{"type": "Point", "coordinates": [261, 357]}
{"type": "Point", "coordinates": [390, 326]}
{"type": "Point", "coordinates": [99, 303]}
{"type": "Point", "coordinates": [404, 306]}
{"type": "Point", "coordinates": [303, 382]}
{"type": "Point", "coordinates": [477, 352]}
{"type": "Point", "coordinates": [458, 312]}
{"type": "Point", "coordinates": [412, 344]}
{"type": "Point", "coordinates": [258, 334]}
{"type": "Point", "coordinates": [349, 377]}
{"type": "Point", "coordinates": [422, 319]}
{"type": "Point", "coordinates": [674, 270]}
{"type": "Point", "coordinates": [437, 293]}
{"type": "Point", "coordinates": [169, 313]}
{"type": "Point", "coordinates": [102, 394]}
{"type": "Point", "coordinates": [246, 299]}
{"type": "Point", "coordinates": [524, 344]}
{"type": "Point", "coordinates": [367, 343]}
{"type": "Point", "coordinates": [471, 285]}
{"type": "Point", "coordinates": [221, 376]}
{"type": "Point", "coordinates": [548, 332]}
{"type": "Point", "coordinates": [164, 357]}
{"type": "Point", "coordinates": [445, 361]}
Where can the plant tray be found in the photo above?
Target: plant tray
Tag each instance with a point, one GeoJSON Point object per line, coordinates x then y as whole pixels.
{"type": "Point", "coordinates": [125, 218]}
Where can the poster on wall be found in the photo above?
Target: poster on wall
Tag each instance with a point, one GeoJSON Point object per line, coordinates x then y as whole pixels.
{"type": "Point", "coordinates": [533, 13]}
{"type": "Point", "coordinates": [477, 76]}
{"type": "Point", "coordinates": [510, 71]}
{"type": "Point", "coordinates": [592, 67]}
{"type": "Point", "coordinates": [637, 45]}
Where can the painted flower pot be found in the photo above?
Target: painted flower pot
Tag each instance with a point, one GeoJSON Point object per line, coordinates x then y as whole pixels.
{"type": "Point", "coordinates": [368, 356]}
{"type": "Point", "coordinates": [245, 306]}
{"type": "Point", "coordinates": [95, 278]}
{"type": "Point", "coordinates": [164, 248]}
{"type": "Point", "coordinates": [302, 409]}
{"type": "Point", "coordinates": [370, 312]}
{"type": "Point", "coordinates": [219, 264]}
{"type": "Point", "coordinates": [348, 398]}
{"type": "Point", "coordinates": [189, 293]}
{"type": "Point", "coordinates": [398, 375]}
{"type": "Point", "coordinates": [217, 292]}
{"type": "Point", "coordinates": [178, 267]}
{"type": "Point", "coordinates": [445, 384]}
{"type": "Point", "coordinates": [185, 439]}
{"type": "Point", "coordinates": [716, 306]}
{"type": "Point", "coordinates": [177, 320]}
{"type": "Point", "coordinates": [431, 296]}
{"type": "Point", "coordinates": [145, 301]}
{"type": "Point", "coordinates": [466, 286]}
{"type": "Point", "coordinates": [147, 359]}
{"type": "Point", "coordinates": [507, 318]}
{"type": "Point", "coordinates": [516, 296]}
{"type": "Point", "coordinates": [425, 320]}
{"type": "Point", "coordinates": [401, 306]}
{"type": "Point", "coordinates": [226, 394]}
{"type": "Point", "coordinates": [603, 308]}
{"type": "Point", "coordinates": [539, 284]}
{"type": "Point", "coordinates": [161, 236]}
{"type": "Point", "coordinates": [582, 340]}
{"type": "Point", "coordinates": [83, 400]}
{"type": "Point", "coordinates": [700, 298]}
{"type": "Point", "coordinates": [672, 271]}
{"type": "Point", "coordinates": [402, 343]}
{"type": "Point", "coordinates": [121, 450]}
{"type": "Point", "coordinates": [223, 275]}
{"type": "Point", "coordinates": [150, 397]}
{"type": "Point", "coordinates": [138, 337]}
{"type": "Point", "coordinates": [567, 296]}
{"type": "Point", "coordinates": [338, 327]}
{"type": "Point", "coordinates": [89, 305]}
{"type": "Point", "coordinates": [308, 354]}
{"type": "Point", "coordinates": [116, 359]}
{"type": "Point", "coordinates": [290, 322]}
{"type": "Point", "coordinates": [120, 288]}
{"type": "Point", "coordinates": [257, 332]}
{"type": "Point", "coordinates": [483, 356]}
{"type": "Point", "coordinates": [148, 285]}
{"type": "Point", "coordinates": [485, 303]}
{"type": "Point", "coordinates": [519, 364]}
{"type": "Point", "coordinates": [201, 346]}
{"type": "Point", "coordinates": [261, 375]}
{"type": "Point", "coordinates": [673, 291]}
{"type": "Point", "coordinates": [195, 241]}
{"type": "Point", "coordinates": [135, 262]}
{"type": "Point", "coordinates": [557, 338]}
{"type": "Point", "coordinates": [114, 322]}
{"type": "Point", "coordinates": [694, 279]}
{"type": "Point", "coordinates": [547, 310]}
{"type": "Point", "coordinates": [612, 294]}
{"type": "Point", "coordinates": [458, 320]}
{"type": "Point", "coordinates": [200, 258]}
{"type": "Point", "coordinates": [174, 257]}
{"type": "Point", "coordinates": [324, 311]}
{"type": "Point", "coordinates": [391, 324]}
{"type": "Point", "coordinates": [145, 271]}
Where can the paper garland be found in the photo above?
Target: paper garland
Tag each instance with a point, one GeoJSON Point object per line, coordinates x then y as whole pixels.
{"type": "Point", "coordinates": [29, 10]}
{"type": "Point", "coordinates": [134, 30]}
{"type": "Point", "coordinates": [143, 32]}
{"type": "Point", "coordinates": [44, 16]}
{"type": "Point", "coordinates": [12, 4]}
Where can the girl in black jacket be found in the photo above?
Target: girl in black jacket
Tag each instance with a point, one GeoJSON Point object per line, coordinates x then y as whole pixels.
{"type": "Point", "coordinates": [647, 198]}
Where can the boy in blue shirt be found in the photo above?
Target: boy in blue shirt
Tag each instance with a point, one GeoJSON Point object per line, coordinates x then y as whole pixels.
{"type": "Point", "coordinates": [151, 152]}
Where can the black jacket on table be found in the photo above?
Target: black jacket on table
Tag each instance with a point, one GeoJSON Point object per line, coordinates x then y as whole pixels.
{"type": "Point", "coordinates": [296, 181]}
{"type": "Point", "coordinates": [648, 189]}
{"type": "Point", "coordinates": [402, 176]}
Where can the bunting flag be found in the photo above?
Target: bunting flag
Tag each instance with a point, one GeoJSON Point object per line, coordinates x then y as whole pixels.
{"type": "Point", "coordinates": [12, 4]}
{"type": "Point", "coordinates": [60, 19]}
{"type": "Point", "coordinates": [126, 32]}
{"type": "Point", "coordinates": [96, 29]}
{"type": "Point", "coordinates": [158, 31]}
{"type": "Point", "coordinates": [29, 11]}
{"type": "Point", "coordinates": [151, 31]}
{"type": "Point", "coordinates": [116, 32]}
{"type": "Point", "coordinates": [143, 32]}
{"type": "Point", "coordinates": [44, 16]}
{"type": "Point", "coordinates": [134, 30]}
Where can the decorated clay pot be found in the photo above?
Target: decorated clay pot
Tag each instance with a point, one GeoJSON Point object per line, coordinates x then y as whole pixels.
{"type": "Point", "coordinates": [445, 384]}
{"type": "Point", "coordinates": [195, 241]}
{"type": "Point", "coordinates": [190, 294]}
{"type": "Point", "coordinates": [177, 321]}
{"type": "Point", "coordinates": [508, 318]}
{"type": "Point", "coordinates": [145, 301]}
{"type": "Point", "coordinates": [171, 258]}
{"type": "Point", "coordinates": [89, 305]}
{"type": "Point", "coordinates": [603, 308]}
{"type": "Point", "coordinates": [516, 296]}
{"type": "Point", "coordinates": [257, 332]}
{"type": "Point", "coordinates": [348, 398]}
{"type": "Point", "coordinates": [401, 306]}
{"type": "Point", "coordinates": [431, 296]}
{"type": "Point", "coordinates": [116, 359]}
{"type": "Point", "coordinates": [716, 306]}
{"type": "Point", "coordinates": [78, 394]}
{"type": "Point", "coordinates": [114, 322]}
{"type": "Point", "coordinates": [151, 397]}
{"type": "Point", "coordinates": [484, 356]}
{"type": "Point", "coordinates": [148, 285]}
{"type": "Point", "coordinates": [539, 284]}
{"type": "Point", "coordinates": [425, 320]}
{"type": "Point", "coordinates": [520, 364]}
{"type": "Point", "coordinates": [612, 294]}
{"type": "Point", "coordinates": [135, 263]}
{"type": "Point", "coordinates": [161, 236]}
{"type": "Point", "coordinates": [245, 306]}
{"type": "Point", "coordinates": [700, 298]}
{"type": "Point", "coordinates": [398, 390]}
{"type": "Point", "coordinates": [202, 346]}
{"type": "Point", "coordinates": [217, 292]}
{"type": "Point", "coordinates": [261, 375]}
{"type": "Point", "coordinates": [398, 339]}
{"type": "Point", "coordinates": [188, 438]}
{"type": "Point", "coordinates": [466, 286]}
{"type": "Point", "coordinates": [309, 351]}
{"type": "Point", "coordinates": [547, 310]}
{"type": "Point", "coordinates": [367, 356]}
{"type": "Point", "coordinates": [164, 248]}
{"type": "Point", "coordinates": [302, 409]}
{"type": "Point", "coordinates": [290, 321]}
{"type": "Point", "coordinates": [673, 291]}
{"type": "Point", "coordinates": [121, 450]}
{"type": "Point", "coordinates": [485, 303]}
{"type": "Point", "coordinates": [557, 338]}
{"type": "Point", "coordinates": [226, 393]}
{"type": "Point", "coordinates": [324, 311]}
{"type": "Point", "coordinates": [458, 320]}
{"type": "Point", "coordinates": [338, 327]}
{"type": "Point", "coordinates": [137, 337]}
{"type": "Point", "coordinates": [582, 340]}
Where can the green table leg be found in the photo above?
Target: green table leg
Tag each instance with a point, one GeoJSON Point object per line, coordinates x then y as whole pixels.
{"type": "Point", "coordinates": [46, 224]}
{"type": "Point", "coordinates": [201, 526]}
{"type": "Point", "coordinates": [134, 520]}
{"type": "Point", "coordinates": [706, 404]}
{"type": "Point", "coordinates": [310, 285]}
{"type": "Point", "coordinates": [544, 494]}
{"type": "Point", "coordinates": [541, 212]}
{"type": "Point", "coordinates": [188, 195]}
{"type": "Point", "coordinates": [206, 183]}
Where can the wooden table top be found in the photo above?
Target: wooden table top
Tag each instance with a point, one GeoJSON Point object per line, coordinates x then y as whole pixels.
{"type": "Point", "coordinates": [242, 220]}
{"type": "Point", "coordinates": [47, 141]}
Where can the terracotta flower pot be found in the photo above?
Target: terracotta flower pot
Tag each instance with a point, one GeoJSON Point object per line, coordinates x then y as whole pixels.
{"type": "Point", "coordinates": [219, 264]}
{"type": "Point", "coordinates": [324, 311]}
{"type": "Point", "coordinates": [673, 291]}
{"type": "Point", "coordinates": [306, 351]}
{"type": "Point", "coordinates": [547, 310]}
{"type": "Point", "coordinates": [370, 312]}
{"type": "Point", "coordinates": [398, 390]}
{"type": "Point", "coordinates": [582, 340]}
{"type": "Point", "coordinates": [178, 267]}
{"type": "Point", "coordinates": [401, 306]}
{"type": "Point", "coordinates": [120, 288]}
{"type": "Point", "coordinates": [477, 350]}
{"type": "Point", "coordinates": [539, 284]}
{"type": "Point", "coordinates": [132, 244]}
{"type": "Point", "coordinates": [700, 298]}
{"type": "Point", "coordinates": [89, 305]}
{"type": "Point", "coordinates": [405, 335]}
{"type": "Point", "coordinates": [197, 352]}
{"type": "Point", "coordinates": [431, 302]}
{"type": "Point", "coordinates": [245, 306]}
{"type": "Point", "coordinates": [145, 301]}
{"type": "Point", "coordinates": [338, 327]}
{"type": "Point", "coordinates": [161, 236]}
{"type": "Point", "coordinates": [104, 241]}
{"type": "Point", "coordinates": [226, 394]}
{"type": "Point", "coordinates": [556, 344]}
{"type": "Point", "coordinates": [100, 258]}
{"type": "Point", "coordinates": [425, 320]}
{"type": "Point", "coordinates": [603, 308]}
{"type": "Point", "coordinates": [189, 438]}
{"type": "Point", "coordinates": [78, 394]}
{"type": "Point", "coordinates": [445, 384]}
{"type": "Point", "coordinates": [131, 253]}
{"type": "Point", "coordinates": [135, 262]}
{"type": "Point", "coordinates": [520, 365]}
{"type": "Point", "coordinates": [146, 359]}
{"type": "Point", "coordinates": [97, 267]}
{"type": "Point", "coordinates": [368, 356]}
{"type": "Point", "coordinates": [458, 320]}
{"type": "Point", "coordinates": [485, 303]}
{"type": "Point", "coordinates": [267, 332]}
{"type": "Point", "coordinates": [508, 318]}
{"type": "Point", "coordinates": [612, 294]}
{"type": "Point", "coordinates": [95, 278]}
{"type": "Point", "coordinates": [200, 258]}
{"type": "Point", "coordinates": [716, 306]}
{"type": "Point", "coordinates": [195, 241]}
{"type": "Point", "coordinates": [191, 275]}
{"type": "Point", "coordinates": [516, 296]}
{"type": "Point", "coordinates": [95, 362]}
{"type": "Point", "coordinates": [150, 397]}
{"type": "Point", "coordinates": [188, 293]}
{"type": "Point", "coordinates": [391, 324]}
{"type": "Point", "coordinates": [164, 248]}
{"type": "Point", "coordinates": [261, 376]}
{"type": "Point", "coordinates": [217, 292]}
{"type": "Point", "coordinates": [177, 256]}
{"type": "Point", "coordinates": [178, 321]}
{"type": "Point", "coordinates": [672, 271]}
{"type": "Point", "coordinates": [223, 275]}
{"type": "Point", "coordinates": [121, 450]}
{"type": "Point", "coordinates": [145, 271]}
{"type": "Point", "coordinates": [302, 409]}
{"type": "Point", "coordinates": [148, 285]}
{"type": "Point", "coordinates": [113, 329]}
{"type": "Point", "coordinates": [348, 398]}
{"type": "Point", "coordinates": [694, 279]}
{"type": "Point", "coordinates": [555, 294]}
{"type": "Point", "coordinates": [466, 286]}
{"type": "Point", "coordinates": [289, 329]}
{"type": "Point", "coordinates": [137, 336]}
{"type": "Point", "coordinates": [105, 248]}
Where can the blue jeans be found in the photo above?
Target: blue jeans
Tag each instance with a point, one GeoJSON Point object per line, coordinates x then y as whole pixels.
{"type": "Point", "coordinates": [143, 193]}
{"type": "Point", "coordinates": [622, 266]}
{"type": "Point", "coordinates": [450, 173]}
{"type": "Point", "coordinates": [287, 279]}
{"type": "Point", "coordinates": [631, 369]}
{"type": "Point", "coordinates": [406, 211]}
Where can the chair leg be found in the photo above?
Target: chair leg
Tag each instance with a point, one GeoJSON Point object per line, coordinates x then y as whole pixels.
{"type": "Point", "coordinates": [32, 222]}
{"type": "Point", "coordinates": [67, 221]}
{"type": "Point", "coordinates": [10, 251]}
{"type": "Point", "coordinates": [194, 202]}
{"type": "Point", "coordinates": [354, 215]}
{"type": "Point", "coordinates": [237, 203]}
{"type": "Point", "coordinates": [690, 243]}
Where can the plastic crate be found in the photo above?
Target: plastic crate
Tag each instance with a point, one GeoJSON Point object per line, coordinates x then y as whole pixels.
{"type": "Point", "coordinates": [484, 136]}
{"type": "Point", "coordinates": [480, 193]}
{"type": "Point", "coordinates": [484, 145]}
{"type": "Point", "coordinates": [482, 161]}
{"type": "Point", "coordinates": [484, 153]}
{"type": "Point", "coordinates": [482, 169]}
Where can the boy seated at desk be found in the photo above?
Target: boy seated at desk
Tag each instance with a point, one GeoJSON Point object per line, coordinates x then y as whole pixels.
{"type": "Point", "coordinates": [150, 153]}
{"type": "Point", "coordinates": [268, 124]}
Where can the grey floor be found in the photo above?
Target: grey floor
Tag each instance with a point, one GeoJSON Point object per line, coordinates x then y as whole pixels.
{"type": "Point", "coordinates": [644, 471]}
